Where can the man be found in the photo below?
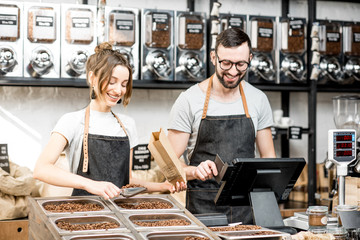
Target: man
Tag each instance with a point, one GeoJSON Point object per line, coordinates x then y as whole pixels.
{"type": "Point", "coordinates": [221, 115]}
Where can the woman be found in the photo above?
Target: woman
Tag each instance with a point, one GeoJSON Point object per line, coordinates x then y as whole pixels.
{"type": "Point", "coordinates": [98, 143]}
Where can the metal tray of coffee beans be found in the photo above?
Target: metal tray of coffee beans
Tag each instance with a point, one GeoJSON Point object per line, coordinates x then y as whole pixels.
{"type": "Point", "coordinates": [79, 205]}
{"type": "Point", "coordinates": [155, 221]}
{"type": "Point", "coordinates": [145, 203]}
{"type": "Point", "coordinates": [114, 236]}
{"type": "Point", "coordinates": [177, 235]}
{"type": "Point", "coordinates": [85, 224]}
{"type": "Point", "coordinates": [248, 232]}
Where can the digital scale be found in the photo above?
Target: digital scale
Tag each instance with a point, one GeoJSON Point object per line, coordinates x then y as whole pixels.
{"type": "Point", "coordinates": [342, 152]}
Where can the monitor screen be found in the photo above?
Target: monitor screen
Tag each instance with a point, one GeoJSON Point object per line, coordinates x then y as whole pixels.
{"type": "Point", "coordinates": [247, 175]}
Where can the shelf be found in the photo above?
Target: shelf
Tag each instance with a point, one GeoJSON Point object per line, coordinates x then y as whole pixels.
{"type": "Point", "coordinates": [354, 88]}
{"type": "Point", "coordinates": [141, 84]}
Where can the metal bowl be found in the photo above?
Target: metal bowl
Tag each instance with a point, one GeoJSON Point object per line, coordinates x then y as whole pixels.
{"type": "Point", "coordinates": [89, 219]}
{"type": "Point", "coordinates": [151, 217]}
{"type": "Point", "coordinates": [137, 200]}
{"type": "Point", "coordinates": [117, 236]}
{"type": "Point", "coordinates": [43, 203]}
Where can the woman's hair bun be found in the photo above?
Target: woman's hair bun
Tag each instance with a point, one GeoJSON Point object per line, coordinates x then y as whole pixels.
{"type": "Point", "coordinates": [103, 46]}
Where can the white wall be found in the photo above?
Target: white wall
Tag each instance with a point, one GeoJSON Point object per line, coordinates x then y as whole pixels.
{"type": "Point", "coordinates": [27, 114]}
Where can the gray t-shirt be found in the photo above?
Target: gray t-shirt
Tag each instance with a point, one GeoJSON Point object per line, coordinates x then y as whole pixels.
{"type": "Point", "coordinates": [185, 115]}
{"type": "Point", "coordinates": [71, 126]}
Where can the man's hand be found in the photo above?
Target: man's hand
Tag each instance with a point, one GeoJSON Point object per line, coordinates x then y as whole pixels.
{"type": "Point", "coordinates": [205, 170]}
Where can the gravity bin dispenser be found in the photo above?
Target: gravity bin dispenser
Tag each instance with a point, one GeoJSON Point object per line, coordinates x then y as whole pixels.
{"type": "Point", "coordinates": [122, 31]}
{"type": "Point", "coordinates": [351, 50]}
{"type": "Point", "coordinates": [263, 35]}
{"type": "Point", "coordinates": [292, 50]}
{"type": "Point", "coordinates": [78, 38]}
{"type": "Point", "coordinates": [329, 53]}
{"type": "Point", "coordinates": [11, 38]}
{"type": "Point", "coordinates": [41, 40]}
{"type": "Point", "coordinates": [157, 47]}
{"type": "Point", "coordinates": [190, 46]}
{"type": "Point", "coordinates": [228, 20]}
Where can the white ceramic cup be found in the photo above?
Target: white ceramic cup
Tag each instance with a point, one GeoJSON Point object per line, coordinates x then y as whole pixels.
{"type": "Point", "coordinates": [278, 114]}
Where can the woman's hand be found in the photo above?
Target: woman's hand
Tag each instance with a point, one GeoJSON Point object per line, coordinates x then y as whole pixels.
{"type": "Point", "coordinates": [106, 190]}
{"type": "Point", "coordinates": [205, 170]}
{"type": "Point", "coordinates": [168, 187]}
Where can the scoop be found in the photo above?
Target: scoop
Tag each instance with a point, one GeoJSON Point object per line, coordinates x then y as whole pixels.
{"type": "Point", "coordinates": [129, 192]}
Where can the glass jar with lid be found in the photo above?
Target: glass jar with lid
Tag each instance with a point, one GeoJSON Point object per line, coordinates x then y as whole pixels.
{"type": "Point", "coordinates": [318, 216]}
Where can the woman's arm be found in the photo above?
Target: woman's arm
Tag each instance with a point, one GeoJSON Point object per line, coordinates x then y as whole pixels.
{"type": "Point", "coordinates": [46, 171]}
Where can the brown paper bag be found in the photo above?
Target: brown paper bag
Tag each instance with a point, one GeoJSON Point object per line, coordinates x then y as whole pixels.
{"type": "Point", "coordinates": [165, 157]}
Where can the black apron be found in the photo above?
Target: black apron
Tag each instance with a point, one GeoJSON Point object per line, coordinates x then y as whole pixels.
{"type": "Point", "coordinates": [107, 160]}
{"type": "Point", "coordinates": [230, 136]}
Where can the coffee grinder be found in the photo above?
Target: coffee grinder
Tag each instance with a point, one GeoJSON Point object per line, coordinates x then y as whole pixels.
{"type": "Point", "coordinates": [122, 31]}
{"type": "Point", "coordinates": [263, 36]}
{"type": "Point", "coordinates": [190, 46]}
{"type": "Point", "coordinates": [351, 50]}
{"type": "Point", "coordinates": [292, 32]}
{"type": "Point", "coordinates": [11, 42]}
{"type": "Point", "coordinates": [78, 38]}
{"type": "Point", "coordinates": [157, 43]}
{"type": "Point", "coordinates": [329, 49]}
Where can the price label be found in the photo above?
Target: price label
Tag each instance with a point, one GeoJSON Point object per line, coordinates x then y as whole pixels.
{"type": "Point", "coordinates": [4, 158]}
{"type": "Point", "coordinates": [295, 132]}
{"type": "Point", "coordinates": [274, 132]}
{"type": "Point", "coordinates": [141, 157]}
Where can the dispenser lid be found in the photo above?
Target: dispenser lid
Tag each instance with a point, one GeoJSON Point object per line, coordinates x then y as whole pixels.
{"type": "Point", "coordinates": [347, 97]}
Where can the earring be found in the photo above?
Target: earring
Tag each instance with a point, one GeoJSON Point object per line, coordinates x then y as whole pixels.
{"type": "Point", "coordinates": [119, 101]}
{"type": "Point", "coordinates": [93, 95]}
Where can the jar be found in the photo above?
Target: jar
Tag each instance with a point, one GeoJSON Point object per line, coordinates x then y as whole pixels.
{"type": "Point", "coordinates": [339, 233]}
{"type": "Point", "coordinates": [344, 208]}
{"type": "Point", "coordinates": [317, 216]}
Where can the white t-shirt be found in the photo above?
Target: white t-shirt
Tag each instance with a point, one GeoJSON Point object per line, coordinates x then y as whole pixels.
{"type": "Point", "coordinates": [186, 113]}
{"type": "Point", "coordinates": [71, 126]}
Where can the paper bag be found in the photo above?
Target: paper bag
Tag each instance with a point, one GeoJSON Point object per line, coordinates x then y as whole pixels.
{"type": "Point", "coordinates": [165, 157]}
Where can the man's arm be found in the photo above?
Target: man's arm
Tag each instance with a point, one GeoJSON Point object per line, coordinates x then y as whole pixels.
{"type": "Point", "coordinates": [205, 170]}
{"type": "Point", "coordinates": [265, 143]}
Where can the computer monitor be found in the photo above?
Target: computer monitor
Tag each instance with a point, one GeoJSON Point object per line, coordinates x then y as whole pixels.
{"type": "Point", "coordinates": [261, 183]}
{"type": "Point", "coordinates": [247, 175]}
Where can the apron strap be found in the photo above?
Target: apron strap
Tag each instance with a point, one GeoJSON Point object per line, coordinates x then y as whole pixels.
{"type": "Point", "coordinates": [244, 101]}
{"type": "Point", "coordinates": [86, 137]}
{"type": "Point", "coordinates": [207, 99]}
{"type": "Point", "coordinates": [85, 140]}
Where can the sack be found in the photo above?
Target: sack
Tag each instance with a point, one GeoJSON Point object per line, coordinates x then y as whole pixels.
{"type": "Point", "coordinates": [164, 155]}
{"type": "Point", "coordinates": [15, 188]}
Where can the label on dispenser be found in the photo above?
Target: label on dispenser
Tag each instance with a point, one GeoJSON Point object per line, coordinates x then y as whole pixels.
{"type": "Point", "coordinates": [141, 157]}
{"type": "Point", "coordinates": [6, 19]}
{"type": "Point", "coordinates": [194, 28]}
{"type": "Point", "coordinates": [265, 32]}
{"type": "Point", "coordinates": [80, 22]}
{"type": "Point", "coordinates": [236, 22]}
{"type": "Point", "coordinates": [333, 37]}
{"type": "Point", "coordinates": [356, 37]}
{"type": "Point", "coordinates": [124, 25]}
{"type": "Point", "coordinates": [44, 21]}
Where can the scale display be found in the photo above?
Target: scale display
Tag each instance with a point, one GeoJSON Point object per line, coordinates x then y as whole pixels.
{"type": "Point", "coordinates": [342, 145]}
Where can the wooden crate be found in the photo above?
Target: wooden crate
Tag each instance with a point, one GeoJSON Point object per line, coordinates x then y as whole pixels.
{"type": "Point", "coordinates": [14, 229]}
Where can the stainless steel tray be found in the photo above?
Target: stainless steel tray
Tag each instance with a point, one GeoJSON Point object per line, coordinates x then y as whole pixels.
{"type": "Point", "coordinates": [175, 235]}
{"type": "Point", "coordinates": [115, 236]}
{"type": "Point", "coordinates": [252, 234]}
{"type": "Point", "coordinates": [88, 219]}
{"type": "Point", "coordinates": [82, 200]}
{"type": "Point", "coordinates": [151, 217]}
{"type": "Point", "coordinates": [137, 200]}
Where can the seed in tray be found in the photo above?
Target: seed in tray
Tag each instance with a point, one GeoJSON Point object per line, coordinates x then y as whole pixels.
{"type": "Point", "coordinates": [196, 238]}
{"type": "Point", "coordinates": [146, 205]}
{"type": "Point", "coordinates": [73, 207]}
{"type": "Point", "coordinates": [263, 233]}
{"type": "Point", "coordinates": [235, 228]}
{"type": "Point", "coordinates": [169, 222]}
{"type": "Point", "coordinates": [131, 186]}
{"type": "Point", "coordinates": [90, 226]}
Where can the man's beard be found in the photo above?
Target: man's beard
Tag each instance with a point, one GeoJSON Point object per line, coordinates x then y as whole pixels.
{"type": "Point", "coordinates": [231, 85]}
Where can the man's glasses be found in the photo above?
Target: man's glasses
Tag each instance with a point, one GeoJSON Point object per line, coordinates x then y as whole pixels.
{"type": "Point", "coordinates": [241, 66]}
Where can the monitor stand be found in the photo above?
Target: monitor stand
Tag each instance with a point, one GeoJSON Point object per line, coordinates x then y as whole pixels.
{"type": "Point", "coordinates": [267, 213]}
